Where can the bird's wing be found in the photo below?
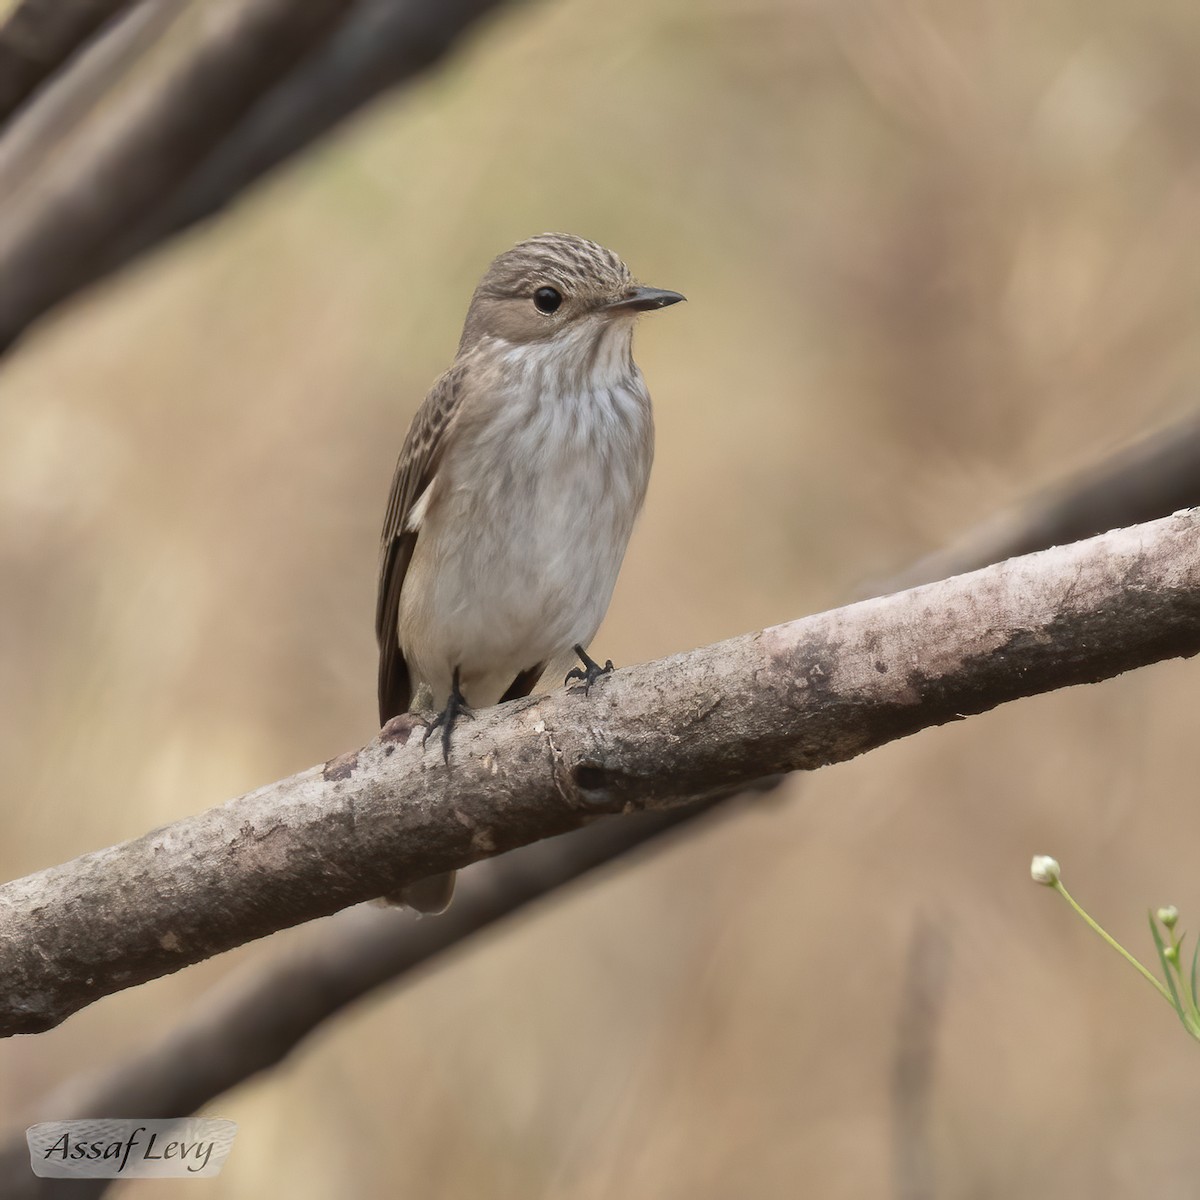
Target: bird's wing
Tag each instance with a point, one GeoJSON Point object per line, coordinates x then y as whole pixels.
{"type": "Point", "coordinates": [415, 471]}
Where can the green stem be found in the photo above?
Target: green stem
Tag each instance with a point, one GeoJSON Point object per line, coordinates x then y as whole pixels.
{"type": "Point", "coordinates": [1162, 991]}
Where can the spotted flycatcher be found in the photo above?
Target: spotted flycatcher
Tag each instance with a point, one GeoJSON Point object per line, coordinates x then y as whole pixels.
{"type": "Point", "coordinates": [516, 491]}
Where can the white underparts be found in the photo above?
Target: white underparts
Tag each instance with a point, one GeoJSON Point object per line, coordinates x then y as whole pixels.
{"type": "Point", "coordinates": [536, 495]}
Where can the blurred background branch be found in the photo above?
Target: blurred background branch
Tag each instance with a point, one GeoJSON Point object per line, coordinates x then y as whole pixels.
{"type": "Point", "coordinates": [251, 84]}
{"type": "Point", "coordinates": [40, 37]}
{"type": "Point", "coordinates": [914, 1060]}
{"type": "Point", "coordinates": [1158, 475]}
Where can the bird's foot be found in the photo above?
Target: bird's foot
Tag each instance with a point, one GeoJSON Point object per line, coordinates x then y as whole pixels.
{"type": "Point", "coordinates": [456, 707]}
{"type": "Point", "coordinates": [589, 672]}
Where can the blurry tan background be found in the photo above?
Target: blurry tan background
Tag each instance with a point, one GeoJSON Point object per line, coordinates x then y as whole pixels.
{"type": "Point", "coordinates": [937, 256]}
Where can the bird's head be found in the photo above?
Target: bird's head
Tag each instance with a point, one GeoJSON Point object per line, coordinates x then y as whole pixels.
{"type": "Point", "coordinates": [554, 288]}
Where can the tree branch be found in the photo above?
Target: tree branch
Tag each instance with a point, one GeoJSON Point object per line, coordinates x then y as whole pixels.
{"type": "Point", "coordinates": [798, 696]}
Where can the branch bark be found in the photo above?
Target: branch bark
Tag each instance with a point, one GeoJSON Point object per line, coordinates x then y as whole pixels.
{"type": "Point", "coordinates": [794, 697]}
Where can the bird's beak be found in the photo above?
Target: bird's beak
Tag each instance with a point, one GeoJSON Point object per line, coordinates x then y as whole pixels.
{"type": "Point", "coordinates": [644, 299]}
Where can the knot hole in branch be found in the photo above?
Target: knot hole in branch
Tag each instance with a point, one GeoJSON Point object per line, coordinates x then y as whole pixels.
{"type": "Point", "coordinates": [596, 785]}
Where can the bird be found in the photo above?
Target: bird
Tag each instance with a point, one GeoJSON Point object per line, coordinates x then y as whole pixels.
{"type": "Point", "coordinates": [515, 493]}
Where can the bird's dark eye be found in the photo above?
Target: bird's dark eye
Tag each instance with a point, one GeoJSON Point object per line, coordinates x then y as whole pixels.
{"type": "Point", "coordinates": [547, 299]}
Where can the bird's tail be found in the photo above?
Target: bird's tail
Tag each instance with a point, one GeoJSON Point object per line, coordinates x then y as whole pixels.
{"type": "Point", "coordinates": [428, 896]}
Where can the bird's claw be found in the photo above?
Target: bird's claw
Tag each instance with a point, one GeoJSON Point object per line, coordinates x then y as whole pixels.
{"type": "Point", "coordinates": [445, 721]}
{"type": "Point", "coordinates": [589, 672]}
{"type": "Point", "coordinates": [456, 706]}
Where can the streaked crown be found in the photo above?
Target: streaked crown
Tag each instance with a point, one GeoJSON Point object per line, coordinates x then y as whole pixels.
{"type": "Point", "coordinates": [571, 264]}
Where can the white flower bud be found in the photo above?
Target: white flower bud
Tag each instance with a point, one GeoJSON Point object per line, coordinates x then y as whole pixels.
{"type": "Point", "coordinates": [1045, 870]}
{"type": "Point", "coordinates": [1168, 916]}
